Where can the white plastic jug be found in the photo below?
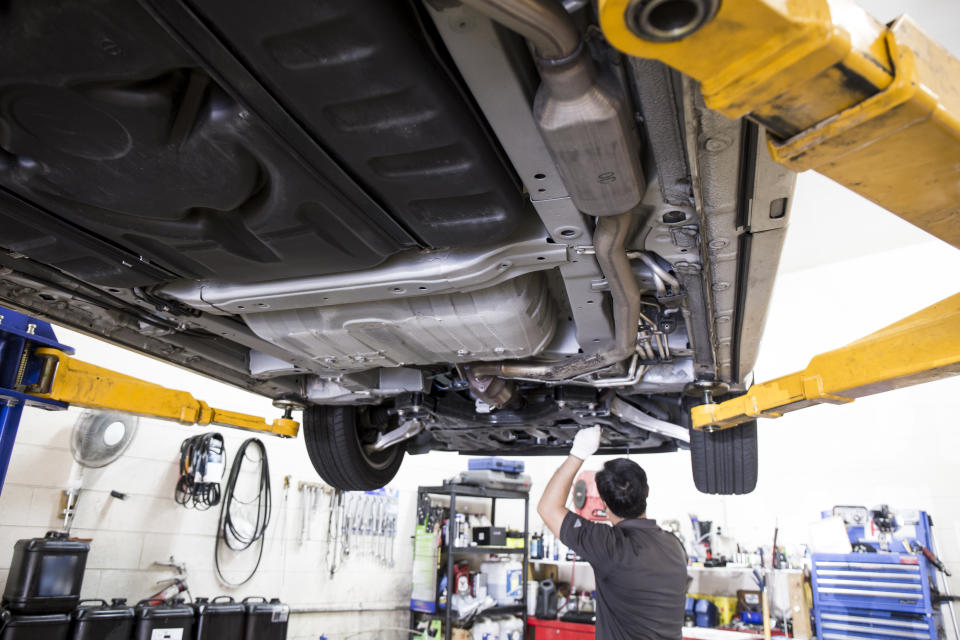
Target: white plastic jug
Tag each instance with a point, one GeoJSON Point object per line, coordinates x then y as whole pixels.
{"type": "Point", "coordinates": [486, 629]}
{"type": "Point", "coordinates": [511, 628]}
{"type": "Point", "coordinates": [532, 588]}
{"type": "Point", "coordinates": [504, 580]}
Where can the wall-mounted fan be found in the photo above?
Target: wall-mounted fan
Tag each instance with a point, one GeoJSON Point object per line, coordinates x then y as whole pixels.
{"type": "Point", "coordinates": [98, 438]}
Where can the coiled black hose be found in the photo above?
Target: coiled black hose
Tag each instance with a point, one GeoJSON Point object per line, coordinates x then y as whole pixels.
{"type": "Point", "coordinates": [241, 539]}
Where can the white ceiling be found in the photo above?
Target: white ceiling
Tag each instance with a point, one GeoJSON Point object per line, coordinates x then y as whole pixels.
{"type": "Point", "coordinates": [939, 18]}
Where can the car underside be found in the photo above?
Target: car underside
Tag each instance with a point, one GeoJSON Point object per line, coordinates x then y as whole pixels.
{"type": "Point", "coordinates": [432, 225]}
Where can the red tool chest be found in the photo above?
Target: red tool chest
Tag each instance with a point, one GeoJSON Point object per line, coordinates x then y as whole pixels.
{"type": "Point", "coordinates": [557, 630]}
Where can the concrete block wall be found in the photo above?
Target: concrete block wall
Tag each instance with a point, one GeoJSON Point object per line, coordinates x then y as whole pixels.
{"type": "Point", "coordinates": [129, 535]}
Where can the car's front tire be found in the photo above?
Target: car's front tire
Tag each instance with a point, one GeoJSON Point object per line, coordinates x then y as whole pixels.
{"type": "Point", "coordinates": [337, 440]}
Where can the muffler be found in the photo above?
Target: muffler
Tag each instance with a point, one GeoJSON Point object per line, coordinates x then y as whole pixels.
{"type": "Point", "coordinates": [608, 240]}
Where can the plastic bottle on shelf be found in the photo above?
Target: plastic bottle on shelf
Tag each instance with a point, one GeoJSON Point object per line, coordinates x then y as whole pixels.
{"type": "Point", "coordinates": [511, 628]}
{"type": "Point", "coordinates": [533, 587]}
{"type": "Point", "coordinates": [504, 578]}
{"type": "Point", "coordinates": [536, 546]}
{"type": "Point", "coordinates": [486, 629]}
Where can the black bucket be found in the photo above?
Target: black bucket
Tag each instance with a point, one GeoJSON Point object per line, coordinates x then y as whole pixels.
{"type": "Point", "coordinates": [266, 620]}
{"type": "Point", "coordinates": [219, 619]}
{"type": "Point", "coordinates": [102, 621]}
{"type": "Point", "coordinates": [45, 574]}
{"type": "Point", "coordinates": [52, 626]}
{"type": "Point", "coordinates": [163, 621]}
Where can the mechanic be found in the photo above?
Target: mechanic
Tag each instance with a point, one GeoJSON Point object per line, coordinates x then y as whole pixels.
{"type": "Point", "coordinates": [640, 569]}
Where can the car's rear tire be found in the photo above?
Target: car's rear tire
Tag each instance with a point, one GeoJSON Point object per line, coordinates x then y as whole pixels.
{"type": "Point", "coordinates": [335, 438]}
{"type": "Point", "coordinates": [725, 462]}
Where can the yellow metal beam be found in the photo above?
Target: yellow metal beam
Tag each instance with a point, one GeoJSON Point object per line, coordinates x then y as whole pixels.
{"type": "Point", "coordinates": [83, 384]}
{"type": "Point", "coordinates": [920, 348]}
{"type": "Point", "coordinates": [874, 108]}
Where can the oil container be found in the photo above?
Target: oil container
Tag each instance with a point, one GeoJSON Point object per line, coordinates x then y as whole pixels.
{"type": "Point", "coordinates": [547, 600]}
{"type": "Point", "coordinates": [45, 574]}
{"type": "Point", "coordinates": [266, 620]}
{"type": "Point", "coordinates": [218, 619]}
{"type": "Point", "coordinates": [163, 621]}
{"type": "Point", "coordinates": [102, 621]}
{"type": "Point", "coordinates": [51, 626]}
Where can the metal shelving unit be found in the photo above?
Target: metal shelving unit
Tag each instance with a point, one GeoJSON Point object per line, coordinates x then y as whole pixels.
{"type": "Point", "coordinates": [467, 491]}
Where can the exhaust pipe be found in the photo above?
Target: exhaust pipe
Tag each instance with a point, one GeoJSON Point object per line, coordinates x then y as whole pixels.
{"type": "Point", "coordinates": [545, 24]}
{"type": "Point", "coordinates": [669, 20]}
{"type": "Point", "coordinates": [587, 127]}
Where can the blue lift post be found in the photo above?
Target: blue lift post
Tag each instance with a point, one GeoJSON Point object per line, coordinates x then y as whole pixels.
{"type": "Point", "coordinates": [19, 371]}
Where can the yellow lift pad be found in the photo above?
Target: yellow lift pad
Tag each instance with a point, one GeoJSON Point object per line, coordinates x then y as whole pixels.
{"type": "Point", "coordinates": [920, 348]}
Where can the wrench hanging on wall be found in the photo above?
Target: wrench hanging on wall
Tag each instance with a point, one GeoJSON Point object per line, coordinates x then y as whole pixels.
{"type": "Point", "coordinates": [334, 531]}
{"type": "Point", "coordinates": [362, 525]}
{"type": "Point", "coordinates": [311, 494]}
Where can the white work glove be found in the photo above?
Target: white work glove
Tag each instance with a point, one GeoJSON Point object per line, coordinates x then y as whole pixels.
{"type": "Point", "coordinates": [586, 442]}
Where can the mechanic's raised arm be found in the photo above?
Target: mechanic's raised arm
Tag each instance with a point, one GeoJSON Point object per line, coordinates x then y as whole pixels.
{"type": "Point", "coordinates": [552, 506]}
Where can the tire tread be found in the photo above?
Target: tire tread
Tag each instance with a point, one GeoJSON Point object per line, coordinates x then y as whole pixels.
{"type": "Point", "coordinates": [725, 462]}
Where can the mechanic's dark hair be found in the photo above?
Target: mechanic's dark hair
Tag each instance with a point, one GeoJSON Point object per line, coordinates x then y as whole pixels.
{"type": "Point", "coordinates": [622, 485]}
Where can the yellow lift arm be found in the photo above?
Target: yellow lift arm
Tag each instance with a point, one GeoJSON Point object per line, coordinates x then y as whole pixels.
{"type": "Point", "coordinates": [920, 348]}
{"type": "Point", "coordinates": [80, 383]}
{"type": "Point", "coordinates": [876, 108]}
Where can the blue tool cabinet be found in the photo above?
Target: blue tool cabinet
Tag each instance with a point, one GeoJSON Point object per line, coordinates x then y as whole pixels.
{"type": "Point", "coordinates": [876, 596]}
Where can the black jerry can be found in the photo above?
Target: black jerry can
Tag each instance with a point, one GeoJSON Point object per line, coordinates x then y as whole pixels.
{"type": "Point", "coordinates": [46, 574]}
{"type": "Point", "coordinates": [218, 619]}
{"type": "Point", "coordinates": [102, 621]}
{"type": "Point", "coordinates": [50, 626]}
{"type": "Point", "coordinates": [266, 620]}
{"type": "Point", "coordinates": [172, 621]}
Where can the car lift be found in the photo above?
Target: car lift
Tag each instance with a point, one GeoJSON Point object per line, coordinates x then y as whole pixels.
{"type": "Point", "coordinates": [875, 108]}
{"type": "Point", "coordinates": [38, 371]}
{"type": "Point", "coordinates": [920, 348]}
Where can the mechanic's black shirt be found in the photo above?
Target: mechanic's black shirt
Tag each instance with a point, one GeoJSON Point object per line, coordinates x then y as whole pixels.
{"type": "Point", "coordinates": [641, 574]}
